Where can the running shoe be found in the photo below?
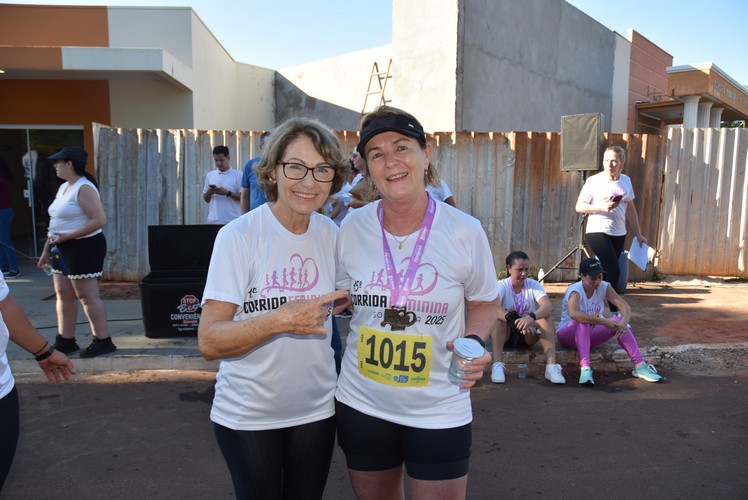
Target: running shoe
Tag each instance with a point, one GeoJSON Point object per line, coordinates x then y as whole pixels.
{"type": "Point", "coordinates": [497, 373]}
{"type": "Point", "coordinates": [553, 373]}
{"type": "Point", "coordinates": [585, 376]}
{"type": "Point", "coordinates": [647, 372]}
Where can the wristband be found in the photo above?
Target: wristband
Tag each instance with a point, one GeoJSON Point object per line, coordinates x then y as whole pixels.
{"type": "Point", "coordinates": [532, 315]}
{"type": "Point", "coordinates": [228, 195]}
{"type": "Point", "coordinates": [47, 354]}
{"type": "Point", "coordinates": [40, 350]}
{"type": "Point", "coordinates": [477, 339]}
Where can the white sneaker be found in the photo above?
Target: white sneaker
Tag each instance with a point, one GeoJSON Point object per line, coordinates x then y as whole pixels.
{"type": "Point", "coordinates": [553, 373]}
{"type": "Point", "coordinates": [497, 373]}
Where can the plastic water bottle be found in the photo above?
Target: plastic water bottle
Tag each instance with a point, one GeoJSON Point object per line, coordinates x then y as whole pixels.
{"type": "Point", "coordinates": [522, 370]}
{"type": "Point", "coordinates": [47, 269]}
{"type": "Point", "coordinates": [541, 274]}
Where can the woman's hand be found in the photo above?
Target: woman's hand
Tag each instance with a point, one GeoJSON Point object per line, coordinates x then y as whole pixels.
{"type": "Point", "coordinates": [57, 367]}
{"type": "Point", "coordinates": [526, 324]}
{"type": "Point", "coordinates": [473, 371]}
{"type": "Point", "coordinates": [307, 316]}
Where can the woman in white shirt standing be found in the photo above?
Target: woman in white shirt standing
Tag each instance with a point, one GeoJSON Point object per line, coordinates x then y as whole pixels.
{"type": "Point", "coordinates": [75, 248]}
{"type": "Point", "coordinates": [608, 198]}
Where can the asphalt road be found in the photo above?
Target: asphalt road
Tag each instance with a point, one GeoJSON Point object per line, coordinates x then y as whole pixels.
{"type": "Point", "coordinates": [148, 435]}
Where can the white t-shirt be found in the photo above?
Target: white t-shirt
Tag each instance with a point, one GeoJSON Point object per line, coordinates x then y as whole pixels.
{"type": "Point", "coordinates": [524, 302]}
{"type": "Point", "coordinates": [594, 306]}
{"type": "Point", "coordinates": [65, 213]}
{"type": "Point", "coordinates": [6, 377]}
{"type": "Point", "coordinates": [440, 193]}
{"type": "Point", "coordinates": [258, 265]}
{"type": "Point", "coordinates": [223, 209]}
{"type": "Point", "coordinates": [456, 266]}
{"type": "Point", "coordinates": [601, 189]}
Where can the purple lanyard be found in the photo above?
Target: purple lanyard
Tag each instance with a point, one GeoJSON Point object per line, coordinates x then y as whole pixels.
{"type": "Point", "coordinates": [401, 291]}
{"type": "Point", "coordinates": [519, 299]}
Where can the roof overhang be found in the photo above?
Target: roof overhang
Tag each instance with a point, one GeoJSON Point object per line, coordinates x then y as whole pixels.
{"type": "Point", "coordinates": [710, 83]}
{"type": "Point", "coordinates": [94, 63]}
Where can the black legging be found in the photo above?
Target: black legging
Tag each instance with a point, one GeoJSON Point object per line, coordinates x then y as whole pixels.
{"type": "Point", "coordinates": [608, 249]}
{"type": "Point", "coordinates": [9, 428]}
{"type": "Point", "coordinates": [290, 463]}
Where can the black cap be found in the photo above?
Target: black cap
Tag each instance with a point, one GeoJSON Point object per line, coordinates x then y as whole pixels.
{"type": "Point", "coordinates": [390, 123]}
{"type": "Point", "coordinates": [77, 155]}
{"type": "Point", "coordinates": [591, 267]}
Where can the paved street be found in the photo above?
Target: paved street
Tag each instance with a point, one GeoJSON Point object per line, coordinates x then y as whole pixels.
{"type": "Point", "coordinates": [147, 435]}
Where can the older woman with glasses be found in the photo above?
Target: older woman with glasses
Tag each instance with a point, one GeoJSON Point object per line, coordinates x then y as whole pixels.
{"type": "Point", "coordinates": [584, 325]}
{"type": "Point", "coordinates": [414, 267]}
{"type": "Point", "coordinates": [267, 316]}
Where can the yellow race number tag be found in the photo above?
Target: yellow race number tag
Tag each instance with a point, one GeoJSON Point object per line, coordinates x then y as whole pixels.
{"type": "Point", "coordinates": [394, 358]}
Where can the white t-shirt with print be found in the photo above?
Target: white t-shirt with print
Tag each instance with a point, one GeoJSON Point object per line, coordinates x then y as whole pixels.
{"type": "Point", "coordinates": [601, 189]}
{"type": "Point", "coordinates": [258, 265]}
{"type": "Point", "coordinates": [456, 266]}
{"type": "Point", "coordinates": [594, 306]}
{"type": "Point", "coordinates": [526, 301]}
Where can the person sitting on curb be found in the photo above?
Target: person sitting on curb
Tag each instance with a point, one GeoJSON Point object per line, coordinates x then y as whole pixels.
{"type": "Point", "coordinates": [524, 318]}
{"type": "Point", "coordinates": [584, 326]}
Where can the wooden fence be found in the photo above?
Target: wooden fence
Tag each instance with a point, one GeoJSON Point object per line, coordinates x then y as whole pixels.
{"type": "Point", "coordinates": [511, 182]}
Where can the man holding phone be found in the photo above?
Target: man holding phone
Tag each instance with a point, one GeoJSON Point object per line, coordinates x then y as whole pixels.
{"type": "Point", "coordinates": [222, 189]}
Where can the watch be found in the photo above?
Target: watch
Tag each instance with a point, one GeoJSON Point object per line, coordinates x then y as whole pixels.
{"type": "Point", "coordinates": [228, 195]}
{"type": "Point", "coordinates": [532, 315]}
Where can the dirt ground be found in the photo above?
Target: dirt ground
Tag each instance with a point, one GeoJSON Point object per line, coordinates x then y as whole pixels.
{"type": "Point", "coordinates": [683, 310]}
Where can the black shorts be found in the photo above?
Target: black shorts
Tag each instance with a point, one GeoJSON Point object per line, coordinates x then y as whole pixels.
{"type": "Point", "coordinates": [83, 257]}
{"type": "Point", "coordinates": [373, 444]}
{"type": "Point", "coordinates": [517, 341]}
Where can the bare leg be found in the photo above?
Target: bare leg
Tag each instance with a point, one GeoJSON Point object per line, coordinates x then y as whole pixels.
{"type": "Point", "coordinates": [67, 308]}
{"type": "Point", "coordinates": [499, 336]}
{"type": "Point", "coordinates": [87, 291]}
{"type": "Point", "coordinates": [548, 340]}
{"type": "Point", "coordinates": [452, 489]}
{"type": "Point", "coordinates": [378, 485]}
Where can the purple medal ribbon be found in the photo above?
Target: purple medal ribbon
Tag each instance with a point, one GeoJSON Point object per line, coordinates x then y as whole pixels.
{"type": "Point", "coordinates": [401, 291]}
{"type": "Point", "coordinates": [519, 299]}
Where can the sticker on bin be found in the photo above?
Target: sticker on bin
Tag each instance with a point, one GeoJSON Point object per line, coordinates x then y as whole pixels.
{"type": "Point", "coordinates": [187, 317]}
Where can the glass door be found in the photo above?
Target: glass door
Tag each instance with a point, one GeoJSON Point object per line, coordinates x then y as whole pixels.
{"type": "Point", "coordinates": [25, 150]}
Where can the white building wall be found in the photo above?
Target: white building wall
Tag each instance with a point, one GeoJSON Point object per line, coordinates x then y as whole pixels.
{"type": "Point", "coordinates": [621, 80]}
{"type": "Point", "coordinates": [222, 93]}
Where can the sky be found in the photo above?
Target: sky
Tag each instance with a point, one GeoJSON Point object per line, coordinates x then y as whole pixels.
{"type": "Point", "coordinates": [280, 33]}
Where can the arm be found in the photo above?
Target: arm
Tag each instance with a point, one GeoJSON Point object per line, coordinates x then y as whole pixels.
{"type": "Point", "coordinates": [91, 205]}
{"type": "Point", "coordinates": [583, 207]}
{"type": "Point", "coordinates": [527, 323]}
{"type": "Point", "coordinates": [480, 321]}
{"type": "Point", "coordinates": [244, 200]}
{"type": "Point", "coordinates": [623, 309]}
{"type": "Point", "coordinates": [580, 317]}
{"type": "Point", "coordinates": [57, 366]}
{"type": "Point", "coordinates": [219, 336]}
{"type": "Point", "coordinates": [450, 201]}
{"type": "Point", "coordinates": [633, 218]}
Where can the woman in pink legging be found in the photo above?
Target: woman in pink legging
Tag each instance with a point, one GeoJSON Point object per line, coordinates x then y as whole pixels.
{"type": "Point", "coordinates": [584, 326]}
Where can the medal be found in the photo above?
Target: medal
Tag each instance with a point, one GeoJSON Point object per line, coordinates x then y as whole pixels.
{"type": "Point", "coordinates": [398, 318]}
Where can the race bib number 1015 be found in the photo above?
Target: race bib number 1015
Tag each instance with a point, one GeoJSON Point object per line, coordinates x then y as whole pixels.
{"type": "Point", "coordinates": [394, 358]}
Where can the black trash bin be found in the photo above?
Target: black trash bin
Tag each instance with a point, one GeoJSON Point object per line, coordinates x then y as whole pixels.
{"type": "Point", "coordinates": [171, 293]}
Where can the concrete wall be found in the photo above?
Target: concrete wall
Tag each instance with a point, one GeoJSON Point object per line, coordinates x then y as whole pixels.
{"type": "Point", "coordinates": [525, 64]}
{"type": "Point", "coordinates": [332, 90]}
{"type": "Point", "coordinates": [424, 51]}
{"type": "Point", "coordinates": [620, 102]}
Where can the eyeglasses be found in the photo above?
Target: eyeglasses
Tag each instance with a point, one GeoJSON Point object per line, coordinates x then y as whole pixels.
{"type": "Point", "coordinates": [297, 171]}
